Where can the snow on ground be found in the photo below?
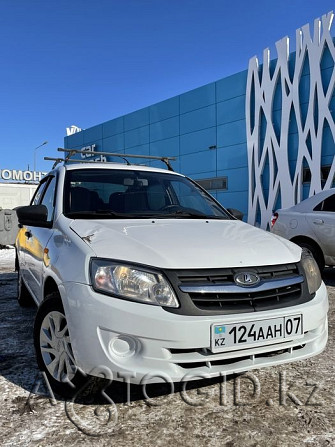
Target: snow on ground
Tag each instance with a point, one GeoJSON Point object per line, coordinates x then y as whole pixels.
{"type": "Point", "coordinates": [7, 259]}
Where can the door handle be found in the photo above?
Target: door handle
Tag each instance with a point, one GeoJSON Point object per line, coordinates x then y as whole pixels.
{"type": "Point", "coordinates": [318, 222]}
{"type": "Point", "coordinates": [28, 234]}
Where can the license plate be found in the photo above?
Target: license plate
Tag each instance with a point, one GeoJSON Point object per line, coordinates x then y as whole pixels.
{"type": "Point", "coordinates": [226, 336]}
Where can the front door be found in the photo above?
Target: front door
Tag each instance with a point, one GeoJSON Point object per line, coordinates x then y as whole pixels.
{"type": "Point", "coordinates": [36, 242]}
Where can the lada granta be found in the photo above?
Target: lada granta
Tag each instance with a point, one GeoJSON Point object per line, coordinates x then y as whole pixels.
{"type": "Point", "coordinates": [140, 275]}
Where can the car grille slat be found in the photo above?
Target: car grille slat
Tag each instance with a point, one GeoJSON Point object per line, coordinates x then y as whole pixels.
{"type": "Point", "coordinates": [205, 301]}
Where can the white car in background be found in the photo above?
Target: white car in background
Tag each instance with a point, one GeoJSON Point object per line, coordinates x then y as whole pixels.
{"type": "Point", "coordinates": [310, 224]}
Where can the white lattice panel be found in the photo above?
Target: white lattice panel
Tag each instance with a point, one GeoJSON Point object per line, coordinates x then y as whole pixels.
{"type": "Point", "coordinates": [305, 111]}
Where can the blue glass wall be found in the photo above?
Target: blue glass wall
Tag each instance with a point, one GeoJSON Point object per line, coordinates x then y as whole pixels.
{"type": "Point", "coordinates": [186, 126]}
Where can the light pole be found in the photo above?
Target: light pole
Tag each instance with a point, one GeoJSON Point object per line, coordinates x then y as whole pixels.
{"type": "Point", "coordinates": [44, 142]}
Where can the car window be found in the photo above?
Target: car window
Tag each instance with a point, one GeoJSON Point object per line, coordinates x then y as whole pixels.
{"type": "Point", "coordinates": [326, 205]}
{"type": "Point", "coordinates": [38, 193]}
{"type": "Point", "coordinates": [48, 198]}
{"type": "Point", "coordinates": [139, 194]}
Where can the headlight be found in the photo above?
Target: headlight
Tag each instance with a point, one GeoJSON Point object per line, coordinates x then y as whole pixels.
{"type": "Point", "coordinates": [131, 282]}
{"type": "Point", "coordinates": [312, 271]}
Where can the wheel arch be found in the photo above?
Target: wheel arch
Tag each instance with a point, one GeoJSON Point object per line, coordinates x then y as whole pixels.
{"type": "Point", "coordinates": [50, 286]}
{"type": "Point", "coordinates": [310, 241]}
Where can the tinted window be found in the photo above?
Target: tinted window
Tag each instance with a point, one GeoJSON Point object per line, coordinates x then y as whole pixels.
{"type": "Point", "coordinates": [215, 183]}
{"type": "Point", "coordinates": [136, 194]}
{"type": "Point", "coordinates": [327, 204]}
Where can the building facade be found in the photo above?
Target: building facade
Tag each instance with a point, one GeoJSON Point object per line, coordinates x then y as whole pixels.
{"type": "Point", "coordinates": [17, 187]}
{"type": "Point", "coordinates": [258, 140]}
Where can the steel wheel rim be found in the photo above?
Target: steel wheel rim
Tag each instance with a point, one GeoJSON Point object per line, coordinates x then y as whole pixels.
{"type": "Point", "coordinates": [56, 347]}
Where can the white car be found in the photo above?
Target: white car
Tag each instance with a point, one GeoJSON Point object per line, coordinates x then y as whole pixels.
{"type": "Point", "coordinates": [140, 275]}
{"type": "Point", "coordinates": [310, 224]}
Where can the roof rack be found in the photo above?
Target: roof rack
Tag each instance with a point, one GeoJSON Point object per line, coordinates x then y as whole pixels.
{"type": "Point", "coordinates": [71, 152]}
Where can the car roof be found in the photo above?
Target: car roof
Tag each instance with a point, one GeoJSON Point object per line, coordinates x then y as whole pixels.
{"type": "Point", "coordinates": [311, 202]}
{"type": "Point", "coordinates": [114, 166]}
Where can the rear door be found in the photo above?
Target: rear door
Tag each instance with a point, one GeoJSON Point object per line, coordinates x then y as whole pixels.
{"type": "Point", "coordinates": [322, 222]}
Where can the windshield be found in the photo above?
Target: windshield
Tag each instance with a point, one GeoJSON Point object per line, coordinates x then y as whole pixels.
{"type": "Point", "coordinates": [109, 193]}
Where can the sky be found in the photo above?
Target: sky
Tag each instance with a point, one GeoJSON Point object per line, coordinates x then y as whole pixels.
{"type": "Point", "coordinates": [84, 62]}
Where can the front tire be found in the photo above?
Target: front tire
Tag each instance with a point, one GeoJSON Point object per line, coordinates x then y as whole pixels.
{"type": "Point", "coordinates": [53, 348]}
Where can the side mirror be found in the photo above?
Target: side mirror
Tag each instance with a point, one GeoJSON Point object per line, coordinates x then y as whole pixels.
{"type": "Point", "coordinates": [235, 213]}
{"type": "Point", "coordinates": [33, 215]}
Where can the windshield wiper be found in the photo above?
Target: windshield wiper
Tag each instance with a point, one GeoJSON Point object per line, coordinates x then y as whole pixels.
{"type": "Point", "coordinates": [101, 214]}
{"type": "Point", "coordinates": [182, 214]}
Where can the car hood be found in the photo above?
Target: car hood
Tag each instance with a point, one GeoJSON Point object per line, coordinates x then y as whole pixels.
{"type": "Point", "coordinates": [185, 243]}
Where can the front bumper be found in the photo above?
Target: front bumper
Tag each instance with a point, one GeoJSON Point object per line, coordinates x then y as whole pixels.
{"type": "Point", "coordinates": [138, 342]}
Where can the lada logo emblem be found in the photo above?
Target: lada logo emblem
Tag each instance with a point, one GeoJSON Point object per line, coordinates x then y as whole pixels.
{"type": "Point", "coordinates": [246, 279]}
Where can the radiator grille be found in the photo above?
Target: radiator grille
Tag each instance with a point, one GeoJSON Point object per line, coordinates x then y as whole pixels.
{"type": "Point", "coordinates": [214, 291]}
